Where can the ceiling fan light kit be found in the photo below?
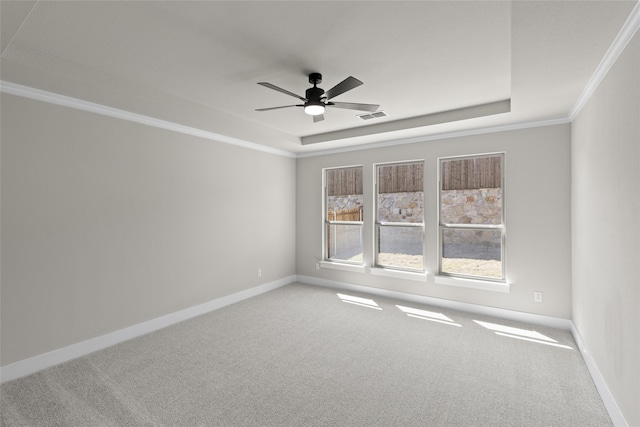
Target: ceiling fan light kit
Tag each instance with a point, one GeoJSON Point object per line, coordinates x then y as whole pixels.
{"type": "Point", "coordinates": [316, 99]}
{"type": "Point", "coordinates": [314, 110]}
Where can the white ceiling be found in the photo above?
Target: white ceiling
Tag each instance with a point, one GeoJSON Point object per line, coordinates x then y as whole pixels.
{"type": "Point", "coordinates": [197, 63]}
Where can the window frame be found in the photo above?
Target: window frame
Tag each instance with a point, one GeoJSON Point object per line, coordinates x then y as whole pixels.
{"type": "Point", "coordinates": [502, 226]}
{"type": "Point", "coordinates": [377, 224]}
{"type": "Point", "coordinates": [327, 261]}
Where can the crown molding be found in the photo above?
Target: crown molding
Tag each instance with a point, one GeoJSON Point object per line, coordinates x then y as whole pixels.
{"type": "Point", "coordinates": [78, 104]}
{"type": "Point", "coordinates": [626, 33]}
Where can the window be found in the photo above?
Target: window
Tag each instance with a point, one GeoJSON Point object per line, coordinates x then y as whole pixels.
{"type": "Point", "coordinates": [472, 217]}
{"type": "Point", "coordinates": [400, 215]}
{"type": "Point", "coordinates": [343, 219]}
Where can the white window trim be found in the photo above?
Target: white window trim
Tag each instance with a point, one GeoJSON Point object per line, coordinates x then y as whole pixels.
{"type": "Point", "coordinates": [463, 280]}
{"type": "Point", "coordinates": [326, 262]}
{"type": "Point", "coordinates": [391, 271]}
{"type": "Point", "coordinates": [480, 284]}
{"type": "Point", "coordinates": [399, 274]}
{"type": "Point", "coordinates": [334, 265]}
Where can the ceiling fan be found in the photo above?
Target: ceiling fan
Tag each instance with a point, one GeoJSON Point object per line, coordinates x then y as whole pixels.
{"type": "Point", "coordinates": [316, 99]}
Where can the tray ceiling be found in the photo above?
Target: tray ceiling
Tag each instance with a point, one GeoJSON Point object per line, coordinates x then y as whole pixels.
{"type": "Point", "coordinates": [197, 63]}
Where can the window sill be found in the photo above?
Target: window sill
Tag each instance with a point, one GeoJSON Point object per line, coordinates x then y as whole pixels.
{"type": "Point", "coordinates": [354, 268]}
{"type": "Point", "coordinates": [484, 285]}
{"type": "Point", "coordinates": [399, 274]}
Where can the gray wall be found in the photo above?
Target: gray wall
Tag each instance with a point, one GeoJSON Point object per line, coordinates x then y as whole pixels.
{"type": "Point", "coordinates": [606, 229]}
{"type": "Point", "coordinates": [537, 194]}
{"type": "Point", "coordinates": [108, 223]}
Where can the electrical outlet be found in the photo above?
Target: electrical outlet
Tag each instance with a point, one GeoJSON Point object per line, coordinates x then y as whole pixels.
{"type": "Point", "coordinates": [317, 266]}
{"type": "Point", "coordinates": [259, 272]}
{"type": "Point", "coordinates": [537, 296]}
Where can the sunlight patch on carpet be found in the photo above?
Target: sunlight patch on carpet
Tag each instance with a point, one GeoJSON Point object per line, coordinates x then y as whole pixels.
{"type": "Point", "coordinates": [364, 302]}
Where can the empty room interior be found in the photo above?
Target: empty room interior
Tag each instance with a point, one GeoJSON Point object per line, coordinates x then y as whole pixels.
{"type": "Point", "coordinates": [320, 213]}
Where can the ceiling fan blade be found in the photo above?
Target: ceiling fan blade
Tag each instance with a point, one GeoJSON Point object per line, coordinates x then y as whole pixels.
{"type": "Point", "coordinates": [354, 106]}
{"type": "Point", "coordinates": [279, 89]}
{"type": "Point", "coordinates": [318, 118]}
{"type": "Point", "coordinates": [345, 85]}
{"type": "Point", "coordinates": [276, 108]}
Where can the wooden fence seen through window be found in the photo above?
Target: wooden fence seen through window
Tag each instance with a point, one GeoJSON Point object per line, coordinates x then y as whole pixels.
{"type": "Point", "coordinates": [344, 182]}
{"type": "Point", "coordinates": [467, 174]}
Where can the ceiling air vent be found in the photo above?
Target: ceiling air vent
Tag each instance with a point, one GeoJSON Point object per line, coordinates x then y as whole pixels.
{"type": "Point", "coordinates": [369, 116]}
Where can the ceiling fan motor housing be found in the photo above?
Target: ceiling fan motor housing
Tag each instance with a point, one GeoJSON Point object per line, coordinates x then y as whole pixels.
{"type": "Point", "coordinates": [313, 94]}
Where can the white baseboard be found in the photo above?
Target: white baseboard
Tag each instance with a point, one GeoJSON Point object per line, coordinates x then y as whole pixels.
{"type": "Point", "coordinates": [46, 360]}
{"type": "Point", "coordinates": [52, 358]}
{"type": "Point", "coordinates": [536, 319]}
{"type": "Point", "coordinates": [605, 394]}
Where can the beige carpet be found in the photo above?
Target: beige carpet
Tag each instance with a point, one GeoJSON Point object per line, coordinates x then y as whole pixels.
{"type": "Point", "coordinates": [306, 356]}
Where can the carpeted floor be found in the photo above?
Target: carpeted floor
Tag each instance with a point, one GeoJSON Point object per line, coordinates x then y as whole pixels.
{"type": "Point", "coordinates": [310, 356]}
